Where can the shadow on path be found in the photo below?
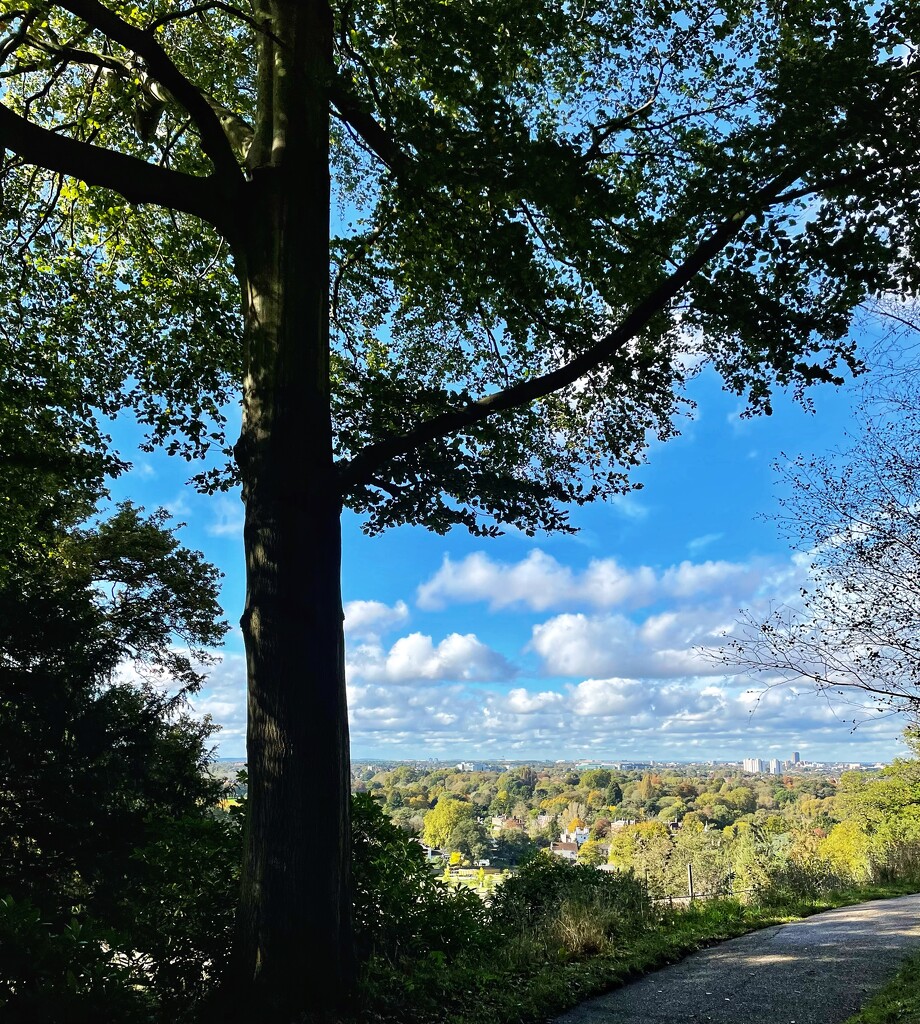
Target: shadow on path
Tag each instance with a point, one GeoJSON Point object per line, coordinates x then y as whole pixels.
{"type": "Point", "coordinates": [816, 971]}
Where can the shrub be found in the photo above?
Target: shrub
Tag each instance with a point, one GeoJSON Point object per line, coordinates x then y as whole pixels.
{"type": "Point", "coordinates": [182, 917]}
{"type": "Point", "coordinates": [796, 882]}
{"type": "Point", "coordinates": [402, 911]}
{"type": "Point", "coordinates": [71, 974]}
{"type": "Point", "coordinates": [578, 906]}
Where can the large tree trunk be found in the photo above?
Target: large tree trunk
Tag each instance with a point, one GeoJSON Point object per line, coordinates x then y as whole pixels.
{"type": "Point", "coordinates": [294, 941]}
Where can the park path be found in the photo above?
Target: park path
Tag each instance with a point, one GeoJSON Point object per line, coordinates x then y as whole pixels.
{"type": "Point", "coordinates": [817, 971]}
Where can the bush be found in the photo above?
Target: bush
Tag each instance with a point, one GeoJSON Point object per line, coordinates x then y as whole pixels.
{"type": "Point", "coordinates": [899, 862]}
{"type": "Point", "coordinates": [159, 951]}
{"type": "Point", "coordinates": [576, 906]}
{"type": "Point", "coordinates": [402, 911]}
{"type": "Point", "coordinates": [75, 974]}
{"type": "Point", "coordinates": [182, 916]}
{"type": "Point", "coordinates": [794, 883]}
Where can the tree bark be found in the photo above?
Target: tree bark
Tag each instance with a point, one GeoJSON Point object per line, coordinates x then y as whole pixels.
{"type": "Point", "coordinates": [294, 940]}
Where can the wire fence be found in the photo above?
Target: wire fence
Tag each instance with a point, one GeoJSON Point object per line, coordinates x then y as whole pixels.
{"type": "Point", "coordinates": [725, 892]}
{"type": "Point", "coordinates": [686, 898]}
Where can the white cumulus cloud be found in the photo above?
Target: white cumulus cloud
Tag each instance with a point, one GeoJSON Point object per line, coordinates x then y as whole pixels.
{"type": "Point", "coordinates": [575, 644]}
{"type": "Point", "coordinates": [539, 582]}
{"type": "Point", "coordinates": [416, 657]}
{"type": "Point", "coordinates": [525, 703]}
{"type": "Point", "coordinates": [371, 618]}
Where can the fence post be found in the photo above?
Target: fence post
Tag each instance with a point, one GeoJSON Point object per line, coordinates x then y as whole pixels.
{"type": "Point", "coordinates": [690, 881]}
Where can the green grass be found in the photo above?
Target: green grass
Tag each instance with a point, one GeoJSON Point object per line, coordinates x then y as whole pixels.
{"type": "Point", "coordinates": [537, 976]}
{"type": "Point", "coordinates": [898, 1001]}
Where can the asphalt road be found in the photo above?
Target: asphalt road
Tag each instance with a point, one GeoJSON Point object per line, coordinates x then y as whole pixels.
{"type": "Point", "coordinates": [817, 971]}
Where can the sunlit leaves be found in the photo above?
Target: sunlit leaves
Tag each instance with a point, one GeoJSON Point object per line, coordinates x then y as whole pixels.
{"type": "Point", "coordinates": [546, 167]}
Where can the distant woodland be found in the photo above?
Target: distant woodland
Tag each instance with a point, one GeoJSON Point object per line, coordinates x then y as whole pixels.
{"type": "Point", "coordinates": [740, 832]}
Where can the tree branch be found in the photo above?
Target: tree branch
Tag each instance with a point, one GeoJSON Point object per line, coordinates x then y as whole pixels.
{"type": "Point", "coordinates": [203, 8]}
{"type": "Point", "coordinates": [600, 135]}
{"type": "Point", "coordinates": [136, 180]}
{"type": "Point", "coordinates": [370, 130]}
{"type": "Point", "coordinates": [142, 42]}
{"type": "Point", "coordinates": [367, 463]}
{"type": "Point", "coordinates": [236, 128]}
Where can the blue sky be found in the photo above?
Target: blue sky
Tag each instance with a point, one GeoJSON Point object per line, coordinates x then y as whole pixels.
{"type": "Point", "coordinates": [565, 647]}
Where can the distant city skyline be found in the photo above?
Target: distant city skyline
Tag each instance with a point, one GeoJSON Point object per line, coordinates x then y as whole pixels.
{"type": "Point", "coordinates": [480, 764]}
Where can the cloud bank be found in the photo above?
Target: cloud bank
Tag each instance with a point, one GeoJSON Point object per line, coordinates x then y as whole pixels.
{"type": "Point", "coordinates": [602, 661]}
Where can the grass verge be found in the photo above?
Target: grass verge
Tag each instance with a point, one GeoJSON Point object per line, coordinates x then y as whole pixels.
{"type": "Point", "coordinates": [898, 1001]}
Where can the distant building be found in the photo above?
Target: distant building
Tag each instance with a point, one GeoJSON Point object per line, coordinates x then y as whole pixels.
{"type": "Point", "coordinates": [795, 757]}
{"type": "Point", "coordinates": [755, 765]}
{"type": "Point", "coordinates": [569, 851]}
{"type": "Point", "coordinates": [430, 851]}
{"type": "Point", "coordinates": [776, 766]}
{"type": "Point", "coordinates": [578, 835]}
{"type": "Point", "coordinates": [503, 822]}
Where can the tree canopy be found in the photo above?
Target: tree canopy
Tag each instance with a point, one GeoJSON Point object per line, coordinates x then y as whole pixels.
{"type": "Point", "coordinates": [445, 820]}
{"type": "Point", "coordinates": [529, 195]}
{"type": "Point", "coordinates": [89, 759]}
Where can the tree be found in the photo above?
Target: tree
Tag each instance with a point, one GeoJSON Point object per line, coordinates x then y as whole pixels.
{"type": "Point", "coordinates": [444, 819]}
{"type": "Point", "coordinates": [552, 207]}
{"type": "Point", "coordinates": [596, 778]}
{"type": "Point", "coordinates": [591, 854]}
{"type": "Point", "coordinates": [107, 811]}
{"type": "Point", "coordinates": [90, 764]}
{"type": "Point", "coordinates": [512, 847]}
{"type": "Point", "coordinates": [707, 852]}
{"type": "Point", "coordinates": [886, 809]}
{"type": "Point", "coordinates": [854, 632]}
{"type": "Point", "coordinates": [601, 828]}
{"type": "Point", "coordinates": [574, 815]}
{"type": "Point", "coordinates": [647, 789]}
{"type": "Point", "coordinates": [643, 848]}
{"type": "Point", "coordinates": [470, 839]}
{"type": "Point", "coordinates": [848, 850]}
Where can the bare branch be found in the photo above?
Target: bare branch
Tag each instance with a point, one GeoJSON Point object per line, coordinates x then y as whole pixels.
{"type": "Point", "coordinates": [600, 135]}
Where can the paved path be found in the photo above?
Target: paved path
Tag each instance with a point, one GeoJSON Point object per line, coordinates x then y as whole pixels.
{"type": "Point", "coordinates": [816, 971]}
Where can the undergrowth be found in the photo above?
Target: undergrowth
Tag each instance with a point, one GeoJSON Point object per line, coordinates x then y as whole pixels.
{"type": "Point", "coordinates": [550, 936]}
{"type": "Point", "coordinates": [553, 935]}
